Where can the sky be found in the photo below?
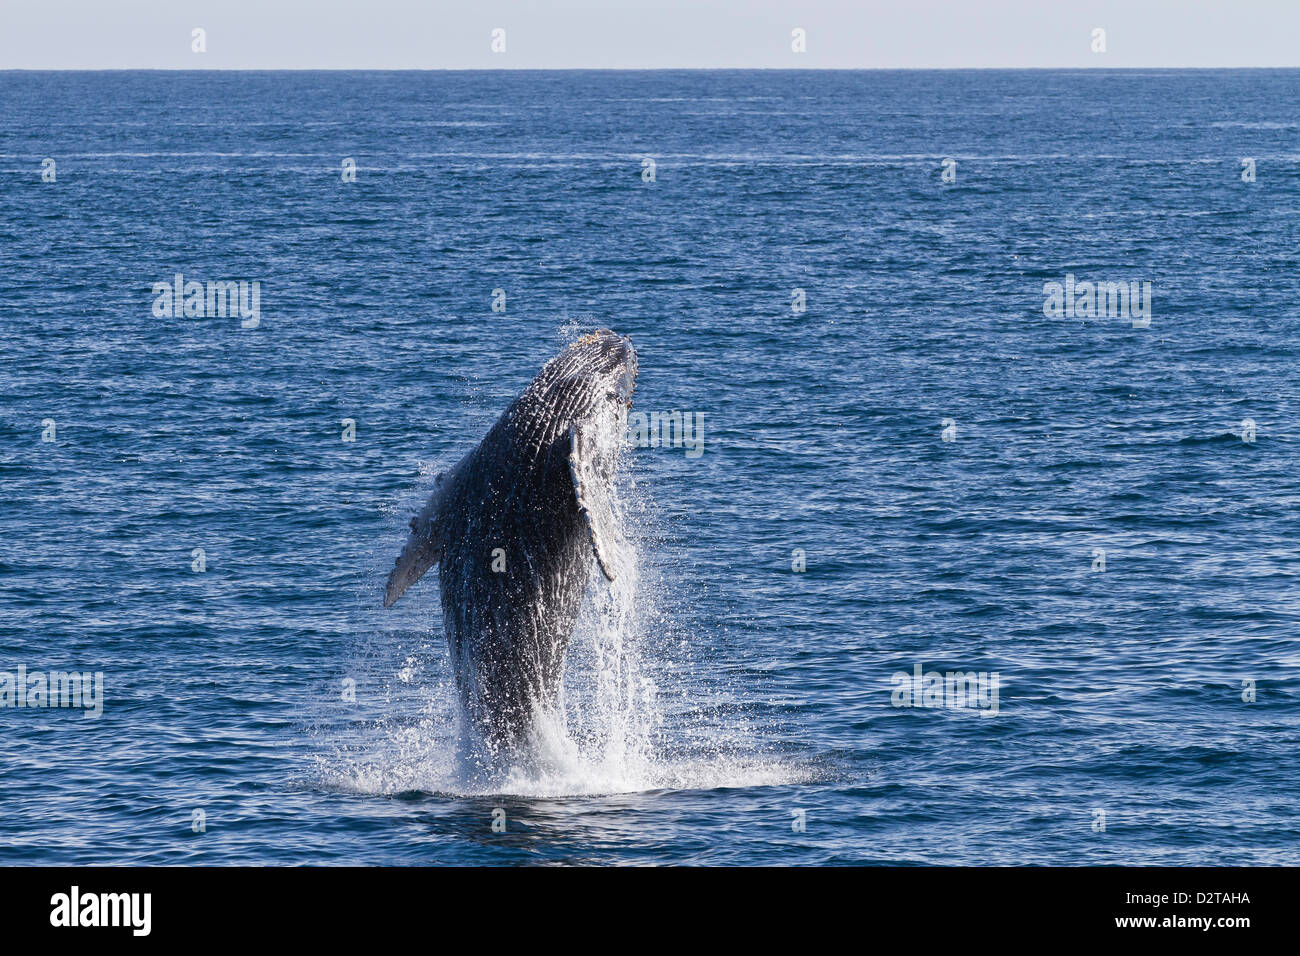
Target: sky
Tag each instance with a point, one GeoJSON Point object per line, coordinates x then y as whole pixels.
{"type": "Point", "coordinates": [646, 34]}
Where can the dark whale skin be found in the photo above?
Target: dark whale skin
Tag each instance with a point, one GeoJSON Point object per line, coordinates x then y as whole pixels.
{"type": "Point", "coordinates": [508, 630]}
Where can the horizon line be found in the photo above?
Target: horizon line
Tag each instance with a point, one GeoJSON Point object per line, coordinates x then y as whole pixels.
{"type": "Point", "coordinates": [625, 69]}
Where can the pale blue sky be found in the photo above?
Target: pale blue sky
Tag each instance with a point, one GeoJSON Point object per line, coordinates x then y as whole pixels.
{"type": "Point", "coordinates": [430, 34]}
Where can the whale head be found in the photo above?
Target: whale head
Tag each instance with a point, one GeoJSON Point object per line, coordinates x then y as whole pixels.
{"type": "Point", "coordinates": [601, 364]}
{"type": "Point", "coordinates": [589, 384]}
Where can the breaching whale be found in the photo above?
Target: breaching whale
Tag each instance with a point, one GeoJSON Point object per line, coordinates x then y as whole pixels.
{"type": "Point", "coordinates": [513, 527]}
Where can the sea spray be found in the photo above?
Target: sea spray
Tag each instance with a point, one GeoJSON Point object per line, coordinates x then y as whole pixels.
{"type": "Point", "coordinates": [613, 703]}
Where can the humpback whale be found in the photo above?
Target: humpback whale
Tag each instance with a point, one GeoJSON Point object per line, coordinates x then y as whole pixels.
{"type": "Point", "coordinates": [513, 527]}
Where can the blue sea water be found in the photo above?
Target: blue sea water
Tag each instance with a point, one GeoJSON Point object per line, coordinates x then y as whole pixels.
{"type": "Point", "coordinates": [267, 710]}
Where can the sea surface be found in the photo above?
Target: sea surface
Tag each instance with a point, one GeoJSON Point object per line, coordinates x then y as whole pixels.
{"type": "Point", "coordinates": [910, 466]}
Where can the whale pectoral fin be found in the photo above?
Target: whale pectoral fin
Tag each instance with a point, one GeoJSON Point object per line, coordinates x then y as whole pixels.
{"type": "Point", "coordinates": [420, 553]}
{"type": "Point", "coordinates": [595, 502]}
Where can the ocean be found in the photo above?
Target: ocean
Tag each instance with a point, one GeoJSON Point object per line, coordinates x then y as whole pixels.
{"type": "Point", "coordinates": [985, 374]}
